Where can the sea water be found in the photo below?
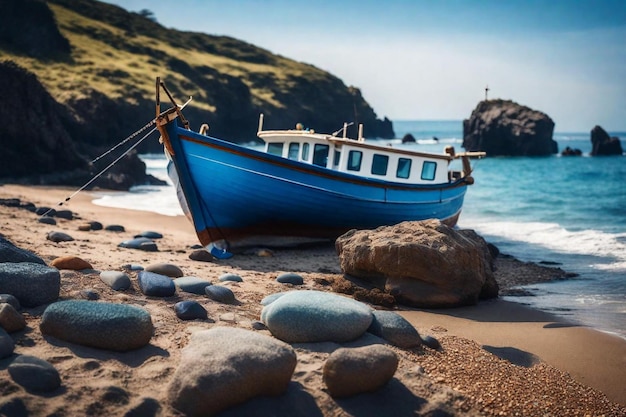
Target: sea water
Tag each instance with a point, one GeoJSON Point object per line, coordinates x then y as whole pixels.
{"type": "Point", "coordinates": [569, 212]}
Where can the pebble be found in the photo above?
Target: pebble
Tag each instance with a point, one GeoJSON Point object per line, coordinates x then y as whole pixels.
{"type": "Point", "coordinates": [220, 294]}
{"type": "Point", "coordinates": [10, 319]}
{"type": "Point", "coordinates": [33, 284]}
{"type": "Point", "coordinates": [7, 346]}
{"type": "Point", "coordinates": [34, 374]}
{"type": "Point", "coordinates": [155, 285]}
{"type": "Point", "coordinates": [290, 278]}
{"type": "Point", "coordinates": [64, 214]}
{"type": "Point", "coordinates": [190, 310]}
{"type": "Point", "coordinates": [59, 237]}
{"type": "Point", "coordinates": [230, 277]}
{"type": "Point", "coordinates": [316, 316]}
{"type": "Point", "coordinates": [70, 262]}
{"type": "Point", "coordinates": [351, 371]}
{"type": "Point", "coordinates": [166, 269]}
{"type": "Point", "coordinates": [395, 329]}
{"type": "Point", "coordinates": [45, 210]}
{"type": "Point", "coordinates": [10, 299]}
{"type": "Point", "coordinates": [201, 255]}
{"type": "Point", "coordinates": [132, 267]}
{"type": "Point", "coordinates": [89, 294]}
{"type": "Point", "coordinates": [95, 225]}
{"type": "Point", "coordinates": [102, 325]}
{"type": "Point", "coordinates": [115, 228]}
{"type": "Point", "coordinates": [150, 235]}
{"type": "Point", "coordinates": [141, 243]}
{"type": "Point", "coordinates": [117, 280]}
{"type": "Point", "coordinates": [47, 220]}
{"type": "Point", "coordinates": [192, 285]}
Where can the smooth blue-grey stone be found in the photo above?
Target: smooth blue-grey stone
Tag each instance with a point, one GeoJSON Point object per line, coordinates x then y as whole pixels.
{"type": "Point", "coordinates": [59, 237]}
{"type": "Point", "coordinates": [155, 285]}
{"type": "Point", "coordinates": [117, 280]}
{"type": "Point", "coordinates": [220, 294]}
{"type": "Point", "coordinates": [141, 243]}
{"type": "Point", "coordinates": [118, 327]}
{"type": "Point", "coordinates": [133, 267]}
{"type": "Point", "coordinates": [150, 235]}
{"type": "Point", "coordinates": [190, 310]}
{"type": "Point", "coordinates": [47, 220]}
{"type": "Point", "coordinates": [34, 374]}
{"type": "Point", "coordinates": [395, 329]}
{"type": "Point", "coordinates": [33, 284]}
{"type": "Point", "coordinates": [192, 285]}
{"type": "Point", "coordinates": [230, 277]}
{"type": "Point", "coordinates": [10, 299]}
{"type": "Point", "coordinates": [95, 225]}
{"type": "Point", "coordinates": [7, 346]}
{"type": "Point", "coordinates": [89, 294]}
{"type": "Point", "coordinates": [11, 253]}
{"type": "Point", "coordinates": [45, 210]}
{"type": "Point", "coordinates": [64, 214]}
{"type": "Point", "coordinates": [316, 316]}
{"type": "Point", "coordinates": [115, 228]}
{"type": "Point", "coordinates": [290, 278]}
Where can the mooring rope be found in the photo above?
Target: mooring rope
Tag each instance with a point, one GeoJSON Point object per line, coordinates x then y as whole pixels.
{"type": "Point", "coordinates": [112, 163]}
{"type": "Point", "coordinates": [153, 121]}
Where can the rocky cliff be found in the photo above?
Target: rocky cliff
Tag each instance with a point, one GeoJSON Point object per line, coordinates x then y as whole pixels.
{"type": "Point", "coordinates": [503, 127]}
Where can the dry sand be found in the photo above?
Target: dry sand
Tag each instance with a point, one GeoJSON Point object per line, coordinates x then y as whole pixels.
{"type": "Point", "coordinates": [498, 358]}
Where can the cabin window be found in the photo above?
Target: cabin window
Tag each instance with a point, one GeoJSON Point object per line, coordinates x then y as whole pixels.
{"type": "Point", "coordinates": [294, 150]}
{"type": "Point", "coordinates": [336, 158]}
{"type": "Point", "coordinates": [404, 168]}
{"type": "Point", "coordinates": [354, 160]}
{"type": "Point", "coordinates": [379, 164]}
{"type": "Point", "coordinates": [305, 151]}
{"type": "Point", "coordinates": [320, 155]}
{"type": "Point", "coordinates": [428, 170]}
{"type": "Point", "coordinates": [275, 148]}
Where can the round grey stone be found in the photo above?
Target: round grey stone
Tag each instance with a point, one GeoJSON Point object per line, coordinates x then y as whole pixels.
{"type": "Point", "coordinates": [190, 310]}
{"type": "Point", "coordinates": [230, 277]}
{"type": "Point", "coordinates": [290, 278]}
{"type": "Point", "coordinates": [117, 280]}
{"type": "Point", "coordinates": [395, 329]}
{"type": "Point", "coordinates": [192, 285]}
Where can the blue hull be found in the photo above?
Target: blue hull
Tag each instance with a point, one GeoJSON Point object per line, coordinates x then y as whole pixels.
{"type": "Point", "coordinates": [233, 193]}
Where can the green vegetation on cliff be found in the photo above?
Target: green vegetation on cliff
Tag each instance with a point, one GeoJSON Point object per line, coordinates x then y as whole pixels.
{"type": "Point", "coordinates": [106, 79]}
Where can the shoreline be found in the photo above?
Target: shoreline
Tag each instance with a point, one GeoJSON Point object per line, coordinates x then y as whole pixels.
{"type": "Point", "coordinates": [520, 336]}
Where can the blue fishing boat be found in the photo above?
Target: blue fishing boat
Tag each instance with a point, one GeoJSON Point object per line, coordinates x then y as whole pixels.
{"type": "Point", "coordinates": [304, 184]}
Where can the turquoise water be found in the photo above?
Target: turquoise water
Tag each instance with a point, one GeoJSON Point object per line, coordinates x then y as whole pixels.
{"type": "Point", "coordinates": [567, 210]}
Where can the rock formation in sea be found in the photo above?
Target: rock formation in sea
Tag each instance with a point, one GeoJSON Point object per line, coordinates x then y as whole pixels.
{"type": "Point", "coordinates": [603, 144]}
{"type": "Point", "coordinates": [505, 128]}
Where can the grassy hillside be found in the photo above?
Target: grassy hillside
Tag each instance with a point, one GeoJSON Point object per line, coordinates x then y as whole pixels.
{"type": "Point", "coordinates": [117, 54]}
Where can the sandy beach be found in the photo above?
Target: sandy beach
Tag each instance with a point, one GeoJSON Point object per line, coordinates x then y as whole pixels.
{"type": "Point", "coordinates": [497, 358]}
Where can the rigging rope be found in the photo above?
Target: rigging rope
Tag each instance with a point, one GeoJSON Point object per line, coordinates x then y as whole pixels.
{"type": "Point", "coordinates": [60, 203]}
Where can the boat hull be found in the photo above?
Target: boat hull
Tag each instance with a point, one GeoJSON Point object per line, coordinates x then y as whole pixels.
{"type": "Point", "coordinates": [234, 193]}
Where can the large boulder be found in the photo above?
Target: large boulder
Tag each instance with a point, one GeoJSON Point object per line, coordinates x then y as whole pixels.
{"type": "Point", "coordinates": [603, 144]}
{"type": "Point", "coordinates": [423, 264]}
{"type": "Point", "coordinates": [225, 366]}
{"type": "Point", "coordinates": [505, 128]}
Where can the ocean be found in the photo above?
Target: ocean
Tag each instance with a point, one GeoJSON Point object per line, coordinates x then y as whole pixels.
{"type": "Point", "coordinates": [569, 211]}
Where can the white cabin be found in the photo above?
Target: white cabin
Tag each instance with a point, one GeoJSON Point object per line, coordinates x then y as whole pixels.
{"type": "Point", "coordinates": [355, 156]}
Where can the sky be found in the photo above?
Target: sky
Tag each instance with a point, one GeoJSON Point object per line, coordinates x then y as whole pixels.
{"type": "Point", "coordinates": [433, 59]}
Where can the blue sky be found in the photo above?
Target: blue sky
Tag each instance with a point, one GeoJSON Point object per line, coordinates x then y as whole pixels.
{"type": "Point", "coordinates": [431, 60]}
